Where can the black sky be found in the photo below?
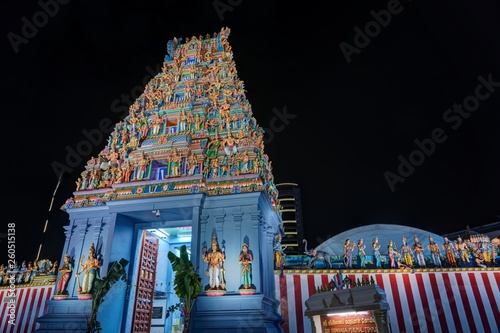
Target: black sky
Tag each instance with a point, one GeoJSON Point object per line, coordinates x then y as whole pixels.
{"type": "Point", "coordinates": [348, 122]}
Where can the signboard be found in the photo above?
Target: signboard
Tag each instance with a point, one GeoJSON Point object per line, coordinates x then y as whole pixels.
{"type": "Point", "coordinates": [362, 321]}
{"type": "Point", "coordinates": [157, 312]}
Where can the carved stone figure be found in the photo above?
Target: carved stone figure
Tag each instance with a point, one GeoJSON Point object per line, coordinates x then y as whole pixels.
{"type": "Point", "coordinates": [316, 255]}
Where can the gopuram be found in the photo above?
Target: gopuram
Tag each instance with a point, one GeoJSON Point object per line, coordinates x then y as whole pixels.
{"type": "Point", "coordinates": [188, 156]}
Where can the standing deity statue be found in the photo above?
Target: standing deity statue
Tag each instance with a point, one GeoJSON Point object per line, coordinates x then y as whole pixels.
{"type": "Point", "coordinates": [435, 252]}
{"type": "Point", "coordinates": [450, 250]}
{"type": "Point", "coordinates": [215, 259]}
{"type": "Point", "coordinates": [391, 253]}
{"type": "Point", "coordinates": [65, 271]}
{"type": "Point", "coordinates": [246, 267]}
{"type": "Point", "coordinates": [348, 249]}
{"type": "Point", "coordinates": [142, 167]}
{"type": "Point", "coordinates": [418, 248]}
{"type": "Point", "coordinates": [90, 266]}
{"type": "Point", "coordinates": [376, 253]}
{"type": "Point", "coordinates": [463, 252]}
{"type": "Point", "coordinates": [406, 252]}
{"type": "Point", "coordinates": [361, 253]}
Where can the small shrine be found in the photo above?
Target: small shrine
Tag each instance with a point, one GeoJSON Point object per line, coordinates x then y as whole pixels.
{"type": "Point", "coordinates": [360, 307]}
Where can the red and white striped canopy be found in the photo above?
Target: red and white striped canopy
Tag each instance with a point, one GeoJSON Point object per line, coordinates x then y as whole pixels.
{"type": "Point", "coordinates": [446, 301]}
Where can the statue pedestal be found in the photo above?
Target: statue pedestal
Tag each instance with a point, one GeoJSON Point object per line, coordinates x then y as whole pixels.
{"type": "Point", "coordinates": [84, 297]}
{"type": "Point", "coordinates": [62, 297]}
{"type": "Point", "coordinates": [68, 316]}
{"type": "Point", "coordinates": [233, 313]}
{"type": "Point", "coordinates": [215, 292]}
{"type": "Point", "coordinates": [246, 291]}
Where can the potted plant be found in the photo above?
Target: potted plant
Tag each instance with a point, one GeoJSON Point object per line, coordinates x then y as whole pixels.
{"type": "Point", "coordinates": [101, 288]}
{"type": "Point", "coordinates": [187, 282]}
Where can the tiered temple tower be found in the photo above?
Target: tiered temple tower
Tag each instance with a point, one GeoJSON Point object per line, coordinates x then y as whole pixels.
{"type": "Point", "coordinates": [191, 151]}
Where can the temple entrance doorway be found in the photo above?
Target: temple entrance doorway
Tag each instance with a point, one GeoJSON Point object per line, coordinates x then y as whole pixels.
{"type": "Point", "coordinates": [169, 239]}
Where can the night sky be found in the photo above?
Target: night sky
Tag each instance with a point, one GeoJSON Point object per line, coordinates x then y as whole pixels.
{"type": "Point", "coordinates": [382, 112]}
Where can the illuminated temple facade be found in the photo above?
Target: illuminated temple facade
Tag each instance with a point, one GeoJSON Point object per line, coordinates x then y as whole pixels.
{"type": "Point", "coordinates": [187, 165]}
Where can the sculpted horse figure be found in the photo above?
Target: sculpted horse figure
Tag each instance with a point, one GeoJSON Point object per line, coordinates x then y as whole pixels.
{"type": "Point", "coordinates": [316, 255]}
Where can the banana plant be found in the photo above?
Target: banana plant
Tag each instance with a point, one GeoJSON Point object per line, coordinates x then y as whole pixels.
{"type": "Point", "coordinates": [187, 282]}
{"type": "Point", "coordinates": [101, 287]}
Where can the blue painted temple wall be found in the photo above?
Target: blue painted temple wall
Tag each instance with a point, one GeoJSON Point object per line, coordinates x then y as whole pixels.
{"type": "Point", "coordinates": [235, 219]}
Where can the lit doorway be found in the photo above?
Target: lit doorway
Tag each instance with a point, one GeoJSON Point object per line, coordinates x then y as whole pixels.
{"type": "Point", "coordinates": [169, 239]}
